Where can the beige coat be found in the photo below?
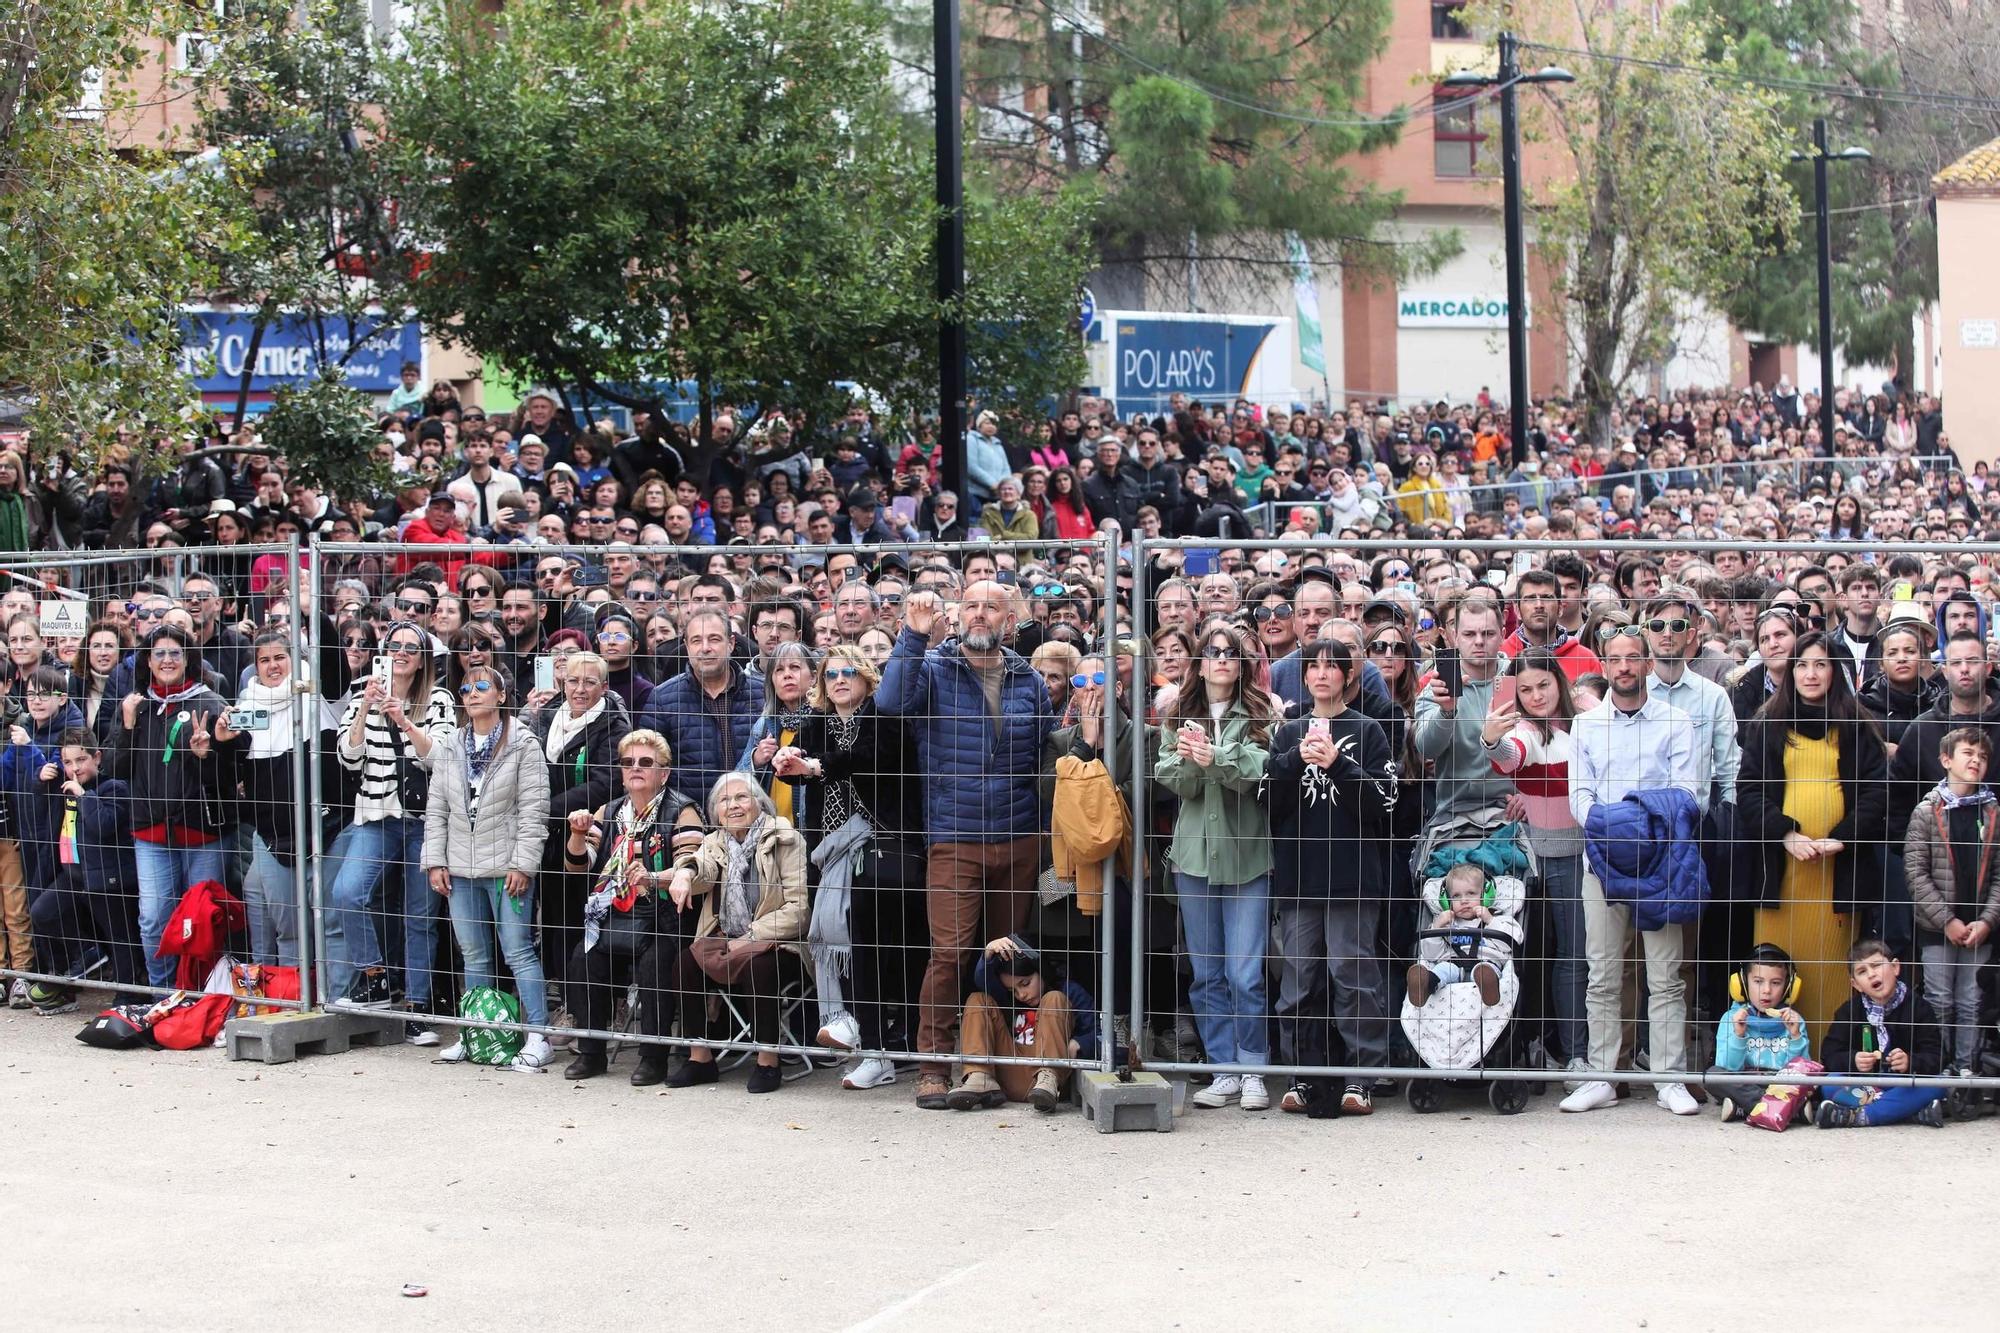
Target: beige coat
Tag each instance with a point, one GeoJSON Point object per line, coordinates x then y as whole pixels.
{"type": "Point", "coordinates": [783, 911]}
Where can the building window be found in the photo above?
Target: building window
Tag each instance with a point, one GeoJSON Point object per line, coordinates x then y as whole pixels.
{"type": "Point", "coordinates": [1456, 136]}
{"type": "Point", "coordinates": [1445, 22]}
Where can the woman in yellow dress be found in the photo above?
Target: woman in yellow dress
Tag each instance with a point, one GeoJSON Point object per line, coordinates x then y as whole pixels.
{"type": "Point", "coordinates": [1810, 802]}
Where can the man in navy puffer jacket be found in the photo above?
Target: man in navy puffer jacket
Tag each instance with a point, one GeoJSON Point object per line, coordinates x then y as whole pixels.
{"type": "Point", "coordinates": [980, 715]}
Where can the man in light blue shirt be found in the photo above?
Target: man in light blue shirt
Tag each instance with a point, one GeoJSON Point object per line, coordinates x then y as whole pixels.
{"type": "Point", "coordinates": [1631, 742]}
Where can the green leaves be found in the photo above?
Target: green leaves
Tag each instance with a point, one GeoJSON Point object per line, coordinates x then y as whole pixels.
{"type": "Point", "coordinates": [326, 432]}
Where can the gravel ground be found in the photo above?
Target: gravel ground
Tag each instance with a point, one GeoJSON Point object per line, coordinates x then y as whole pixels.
{"type": "Point", "coordinates": [165, 1190]}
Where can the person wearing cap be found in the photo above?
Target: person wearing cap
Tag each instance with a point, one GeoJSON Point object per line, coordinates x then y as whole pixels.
{"type": "Point", "coordinates": [1112, 489]}
{"type": "Point", "coordinates": [440, 525]}
{"type": "Point", "coordinates": [986, 460]}
{"type": "Point", "coordinates": [866, 523]}
{"type": "Point", "coordinates": [542, 415]}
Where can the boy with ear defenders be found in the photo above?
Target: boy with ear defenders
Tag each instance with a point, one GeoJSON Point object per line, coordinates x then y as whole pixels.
{"type": "Point", "coordinates": [1759, 1031]}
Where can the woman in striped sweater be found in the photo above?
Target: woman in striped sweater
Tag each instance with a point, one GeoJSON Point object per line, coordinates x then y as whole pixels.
{"type": "Point", "coordinates": [384, 734]}
{"type": "Point", "coordinates": [1528, 740]}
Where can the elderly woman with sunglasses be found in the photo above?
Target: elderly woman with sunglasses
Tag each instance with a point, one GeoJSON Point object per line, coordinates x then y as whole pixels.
{"type": "Point", "coordinates": [384, 737]}
{"type": "Point", "coordinates": [633, 931]}
{"type": "Point", "coordinates": [484, 828]}
{"type": "Point", "coordinates": [849, 762]}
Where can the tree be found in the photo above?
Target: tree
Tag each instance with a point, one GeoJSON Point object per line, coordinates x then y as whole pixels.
{"type": "Point", "coordinates": [1673, 184]}
{"type": "Point", "coordinates": [1884, 247]}
{"type": "Point", "coordinates": [104, 241]}
{"type": "Point", "coordinates": [1211, 130]}
{"type": "Point", "coordinates": [326, 434]}
{"type": "Point", "coordinates": [717, 200]}
{"type": "Point", "coordinates": [293, 95]}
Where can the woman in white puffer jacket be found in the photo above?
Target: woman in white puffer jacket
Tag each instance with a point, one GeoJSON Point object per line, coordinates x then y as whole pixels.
{"type": "Point", "coordinates": [484, 827]}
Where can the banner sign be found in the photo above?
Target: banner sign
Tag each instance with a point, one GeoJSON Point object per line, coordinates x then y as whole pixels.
{"type": "Point", "coordinates": [289, 352]}
{"type": "Point", "coordinates": [1207, 359]}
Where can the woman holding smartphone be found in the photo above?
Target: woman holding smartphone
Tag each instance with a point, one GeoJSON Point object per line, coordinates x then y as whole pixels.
{"type": "Point", "coordinates": [1527, 737]}
{"type": "Point", "coordinates": [1213, 751]}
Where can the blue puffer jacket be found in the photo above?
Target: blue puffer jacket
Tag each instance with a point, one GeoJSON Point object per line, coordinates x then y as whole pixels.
{"type": "Point", "coordinates": [1646, 850]}
{"type": "Point", "coordinates": [37, 821]}
{"type": "Point", "coordinates": [979, 781]}
{"type": "Point", "coordinates": [704, 748]}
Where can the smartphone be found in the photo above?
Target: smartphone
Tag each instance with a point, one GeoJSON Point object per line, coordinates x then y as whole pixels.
{"type": "Point", "coordinates": [1903, 592]}
{"type": "Point", "coordinates": [1319, 725]}
{"type": "Point", "coordinates": [1495, 578]}
{"type": "Point", "coordinates": [1447, 666]}
{"type": "Point", "coordinates": [380, 670]}
{"type": "Point", "coordinates": [1503, 691]}
{"type": "Point", "coordinates": [1197, 563]}
{"type": "Point", "coordinates": [545, 672]}
{"type": "Point", "coordinates": [249, 719]}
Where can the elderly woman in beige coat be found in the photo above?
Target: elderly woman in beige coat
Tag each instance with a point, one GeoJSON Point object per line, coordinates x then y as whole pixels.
{"type": "Point", "coordinates": [750, 874]}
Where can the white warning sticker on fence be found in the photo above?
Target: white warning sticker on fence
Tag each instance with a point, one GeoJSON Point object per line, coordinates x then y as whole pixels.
{"type": "Point", "coordinates": [65, 619]}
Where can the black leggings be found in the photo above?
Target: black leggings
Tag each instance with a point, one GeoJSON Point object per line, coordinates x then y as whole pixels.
{"type": "Point", "coordinates": [759, 987]}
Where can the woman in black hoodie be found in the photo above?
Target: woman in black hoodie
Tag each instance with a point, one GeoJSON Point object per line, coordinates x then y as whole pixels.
{"type": "Point", "coordinates": [1899, 691]}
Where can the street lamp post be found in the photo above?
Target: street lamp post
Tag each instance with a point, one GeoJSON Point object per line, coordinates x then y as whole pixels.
{"type": "Point", "coordinates": [1819, 157]}
{"type": "Point", "coordinates": [948, 90]}
{"type": "Point", "coordinates": [1506, 79]}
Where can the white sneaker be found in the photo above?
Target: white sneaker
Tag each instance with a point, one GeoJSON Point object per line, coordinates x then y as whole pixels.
{"type": "Point", "coordinates": [869, 1074]}
{"type": "Point", "coordinates": [535, 1053]}
{"type": "Point", "coordinates": [1574, 1068]}
{"type": "Point", "coordinates": [453, 1054]}
{"type": "Point", "coordinates": [1225, 1089]}
{"type": "Point", "coordinates": [1590, 1097]}
{"type": "Point", "coordinates": [1255, 1098]}
{"type": "Point", "coordinates": [1676, 1098]}
{"type": "Point", "coordinates": [842, 1034]}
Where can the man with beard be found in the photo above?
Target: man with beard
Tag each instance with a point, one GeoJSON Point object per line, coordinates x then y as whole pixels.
{"type": "Point", "coordinates": [981, 715]}
{"type": "Point", "coordinates": [1538, 599]}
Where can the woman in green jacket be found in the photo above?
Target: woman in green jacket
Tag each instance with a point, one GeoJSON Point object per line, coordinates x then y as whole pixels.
{"type": "Point", "coordinates": [1214, 744]}
{"type": "Point", "coordinates": [1007, 518]}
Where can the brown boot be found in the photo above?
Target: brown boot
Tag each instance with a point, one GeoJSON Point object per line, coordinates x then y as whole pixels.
{"type": "Point", "coordinates": [979, 1092]}
{"type": "Point", "coordinates": [933, 1091]}
{"type": "Point", "coordinates": [1420, 980]}
{"type": "Point", "coordinates": [1487, 978]}
{"type": "Point", "coordinates": [1047, 1092]}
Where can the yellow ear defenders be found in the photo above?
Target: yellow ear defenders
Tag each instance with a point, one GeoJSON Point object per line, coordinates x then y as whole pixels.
{"type": "Point", "coordinates": [1739, 980]}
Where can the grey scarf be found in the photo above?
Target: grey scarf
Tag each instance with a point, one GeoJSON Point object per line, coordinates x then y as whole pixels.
{"type": "Point", "coordinates": [739, 881]}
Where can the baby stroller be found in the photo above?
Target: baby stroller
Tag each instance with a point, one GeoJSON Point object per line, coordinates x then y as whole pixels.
{"type": "Point", "coordinates": [1455, 1029]}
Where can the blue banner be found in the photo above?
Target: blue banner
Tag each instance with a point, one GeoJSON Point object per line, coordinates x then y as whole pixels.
{"type": "Point", "coordinates": [1206, 359]}
{"type": "Point", "coordinates": [289, 352]}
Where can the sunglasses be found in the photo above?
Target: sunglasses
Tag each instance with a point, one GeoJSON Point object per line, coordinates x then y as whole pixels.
{"type": "Point", "coordinates": [1672, 625]}
{"type": "Point", "coordinates": [613, 636]}
{"type": "Point", "coordinates": [1218, 653]}
{"type": "Point", "coordinates": [1282, 611]}
{"type": "Point", "coordinates": [1047, 590]}
{"type": "Point", "coordinates": [151, 613]}
{"type": "Point", "coordinates": [168, 655]}
{"type": "Point", "coordinates": [470, 688]}
{"type": "Point", "coordinates": [638, 761]}
{"type": "Point", "coordinates": [842, 672]}
{"type": "Point", "coordinates": [414, 606]}
{"type": "Point", "coordinates": [1612, 633]}
{"type": "Point", "coordinates": [641, 595]}
{"type": "Point", "coordinates": [1082, 679]}
{"type": "Point", "coordinates": [1395, 571]}
{"type": "Point", "coordinates": [1388, 648]}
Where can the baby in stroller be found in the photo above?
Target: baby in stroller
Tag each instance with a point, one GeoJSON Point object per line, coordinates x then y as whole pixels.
{"type": "Point", "coordinates": [1467, 940]}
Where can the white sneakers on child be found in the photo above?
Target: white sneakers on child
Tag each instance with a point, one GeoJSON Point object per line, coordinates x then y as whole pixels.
{"type": "Point", "coordinates": [1591, 1096]}
{"type": "Point", "coordinates": [1255, 1096]}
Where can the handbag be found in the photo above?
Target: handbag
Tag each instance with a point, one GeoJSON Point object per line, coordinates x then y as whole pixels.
{"type": "Point", "coordinates": [723, 965]}
{"type": "Point", "coordinates": [413, 780]}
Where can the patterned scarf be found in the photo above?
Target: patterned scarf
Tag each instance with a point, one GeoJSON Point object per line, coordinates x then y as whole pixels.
{"type": "Point", "coordinates": [840, 801]}
{"type": "Point", "coordinates": [739, 881]}
{"type": "Point", "coordinates": [612, 889]}
{"type": "Point", "coordinates": [1950, 800]}
{"type": "Point", "coordinates": [1878, 1014]}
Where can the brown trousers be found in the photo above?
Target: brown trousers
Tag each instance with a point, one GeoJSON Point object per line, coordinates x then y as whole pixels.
{"type": "Point", "coordinates": [969, 883]}
{"type": "Point", "coordinates": [986, 1032]}
{"type": "Point", "coordinates": [18, 949]}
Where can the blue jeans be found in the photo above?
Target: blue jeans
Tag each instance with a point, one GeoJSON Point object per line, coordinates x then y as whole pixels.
{"type": "Point", "coordinates": [270, 900]}
{"type": "Point", "coordinates": [1891, 1106]}
{"type": "Point", "coordinates": [1228, 927]}
{"type": "Point", "coordinates": [392, 847]}
{"type": "Point", "coordinates": [165, 873]}
{"type": "Point", "coordinates": [479, 909]}
{"type": "Point", "coordinates": [1561, 886]}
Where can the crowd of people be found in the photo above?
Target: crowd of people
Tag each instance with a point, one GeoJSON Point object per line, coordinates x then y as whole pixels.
{"type": "Point", "coordinates": [811, 751]}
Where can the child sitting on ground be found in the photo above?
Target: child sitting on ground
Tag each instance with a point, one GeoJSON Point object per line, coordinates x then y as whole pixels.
{"type": "Point", "coordinates": [1951, 859]}
{"type": "Point", "coordinates": [1885, 1025]}
{"type": "Point", "coordinates": [1761, 1031]}
{"type": "Point", "coordinates": [1442, 959]}
{"type": "Point", "coordinates": [1021, 1005]}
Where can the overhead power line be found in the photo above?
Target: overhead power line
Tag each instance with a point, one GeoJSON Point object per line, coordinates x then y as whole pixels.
{"type": "Point", "coordinates": [1942, 101]}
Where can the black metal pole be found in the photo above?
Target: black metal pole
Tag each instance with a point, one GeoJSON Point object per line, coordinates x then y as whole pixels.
{"type": "Point", "coordinates": [1517, 278]}
{"type": "Point", "coordinates": [1825, 291]}
{"type": "Point", "coordinates": [948, 90]}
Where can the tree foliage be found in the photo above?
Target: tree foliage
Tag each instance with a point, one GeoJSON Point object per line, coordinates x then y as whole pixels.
{"type": "Point", "coordinates": [1672, 184]}
{"type": "Point", "coordinates": [100, 246]}
{"type": "Point", "coordinates": [293, 96]}
{"type": "Point", "coordinates": [326, 433]}
{"type": "Point", "coordinates": [1209, 128]}
{"type": "Point", "coordinates": [717, 196]}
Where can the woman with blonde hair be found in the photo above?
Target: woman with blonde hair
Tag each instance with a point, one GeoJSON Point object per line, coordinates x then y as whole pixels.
{"type": "Point", "coordinates": [1214, 747]}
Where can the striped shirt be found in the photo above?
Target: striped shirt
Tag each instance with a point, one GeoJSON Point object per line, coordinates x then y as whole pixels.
{"type": "Point", "coordinates": [375, 757]}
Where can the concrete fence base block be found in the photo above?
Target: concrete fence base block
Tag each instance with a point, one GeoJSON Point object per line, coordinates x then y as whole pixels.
{"type": "Point", "coordinates": [278, 1039]}
{"type": "Point", "coordinates": [1146, 1103]}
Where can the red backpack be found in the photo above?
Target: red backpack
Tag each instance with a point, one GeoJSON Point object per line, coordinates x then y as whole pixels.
{"type": "Point", "coordinates": [198, 932]}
